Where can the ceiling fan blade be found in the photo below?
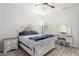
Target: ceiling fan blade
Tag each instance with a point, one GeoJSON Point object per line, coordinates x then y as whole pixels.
{"type": "Point", "coordinates": [45, 4]}
{"type": "Point", "coordinates": [37, 4]}
{"type": "Point", "coordinates": [51, 6]}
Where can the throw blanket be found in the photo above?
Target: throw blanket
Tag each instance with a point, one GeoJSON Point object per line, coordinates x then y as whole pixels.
{"type": "Point", "coordinates": [37, 38]}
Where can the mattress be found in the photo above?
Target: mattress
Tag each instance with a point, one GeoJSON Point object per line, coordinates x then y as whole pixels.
{"type": "Point", "coordinates": [31, 43]}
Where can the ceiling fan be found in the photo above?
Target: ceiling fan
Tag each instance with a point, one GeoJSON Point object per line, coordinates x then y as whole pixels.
{"type": "Point", "coordinates": [45, 4]}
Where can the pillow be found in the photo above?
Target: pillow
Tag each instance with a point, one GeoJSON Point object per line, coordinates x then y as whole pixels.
{"type": "Point", "coordinates": [34, 32]}
{"type": "Point", "coordinates": [25, 33]}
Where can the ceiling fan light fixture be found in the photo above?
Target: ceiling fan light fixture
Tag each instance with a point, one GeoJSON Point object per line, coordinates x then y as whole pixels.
{"type": "Point", "coordinates": [45, 4]}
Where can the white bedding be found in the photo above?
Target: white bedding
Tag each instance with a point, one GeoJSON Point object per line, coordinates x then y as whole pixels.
{"type": "Point", "coordinates": [31, 43]}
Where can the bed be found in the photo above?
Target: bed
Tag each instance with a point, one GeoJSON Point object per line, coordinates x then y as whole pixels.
{"type": "Point", "coordinates": [36, 44]}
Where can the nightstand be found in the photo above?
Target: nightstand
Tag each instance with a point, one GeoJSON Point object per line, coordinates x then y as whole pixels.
{"type": "Point", "coordinates": [10, 44]}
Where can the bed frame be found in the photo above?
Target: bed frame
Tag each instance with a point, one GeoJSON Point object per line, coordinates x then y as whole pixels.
{"type": "Point", "coordinates": [38, 50]}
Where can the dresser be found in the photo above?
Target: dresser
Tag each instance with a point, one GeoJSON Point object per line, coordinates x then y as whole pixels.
{"type": "Point", "coordinates": [10, 44]}
{"type": "Point", "coordinates": [66, 40]}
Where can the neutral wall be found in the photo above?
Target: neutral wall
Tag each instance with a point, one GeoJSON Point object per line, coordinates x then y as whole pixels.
{"type": "Point", "coordinates": [70, 17]}
{"type": "Point", "coordinates": [13, 17]}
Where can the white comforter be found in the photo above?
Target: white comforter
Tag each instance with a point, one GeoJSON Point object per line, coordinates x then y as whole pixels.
{"type": "Point", "coordinates": [31, 43]}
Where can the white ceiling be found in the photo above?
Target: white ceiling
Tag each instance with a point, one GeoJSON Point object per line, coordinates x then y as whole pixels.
{"type": "Point", "coordinates": [39, 9]}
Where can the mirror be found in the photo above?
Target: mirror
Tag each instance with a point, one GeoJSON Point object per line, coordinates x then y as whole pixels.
{"type": "Point", "coordinates": [64, 29]}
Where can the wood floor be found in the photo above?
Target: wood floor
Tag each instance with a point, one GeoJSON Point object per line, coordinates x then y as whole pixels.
{"type": "Point", "coordinates": [64, 51]}
{"type": "Point", "coordinates": [59, 51]}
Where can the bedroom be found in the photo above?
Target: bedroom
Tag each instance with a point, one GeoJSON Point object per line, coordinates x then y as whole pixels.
{"type": "Point", "coordinates": [15, 17]}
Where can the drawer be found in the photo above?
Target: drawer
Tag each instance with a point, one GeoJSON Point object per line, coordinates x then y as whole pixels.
{"type": "Point", "coordinates": [10, 47]}
{"type": "Point", "coordinates": [11, 41]}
